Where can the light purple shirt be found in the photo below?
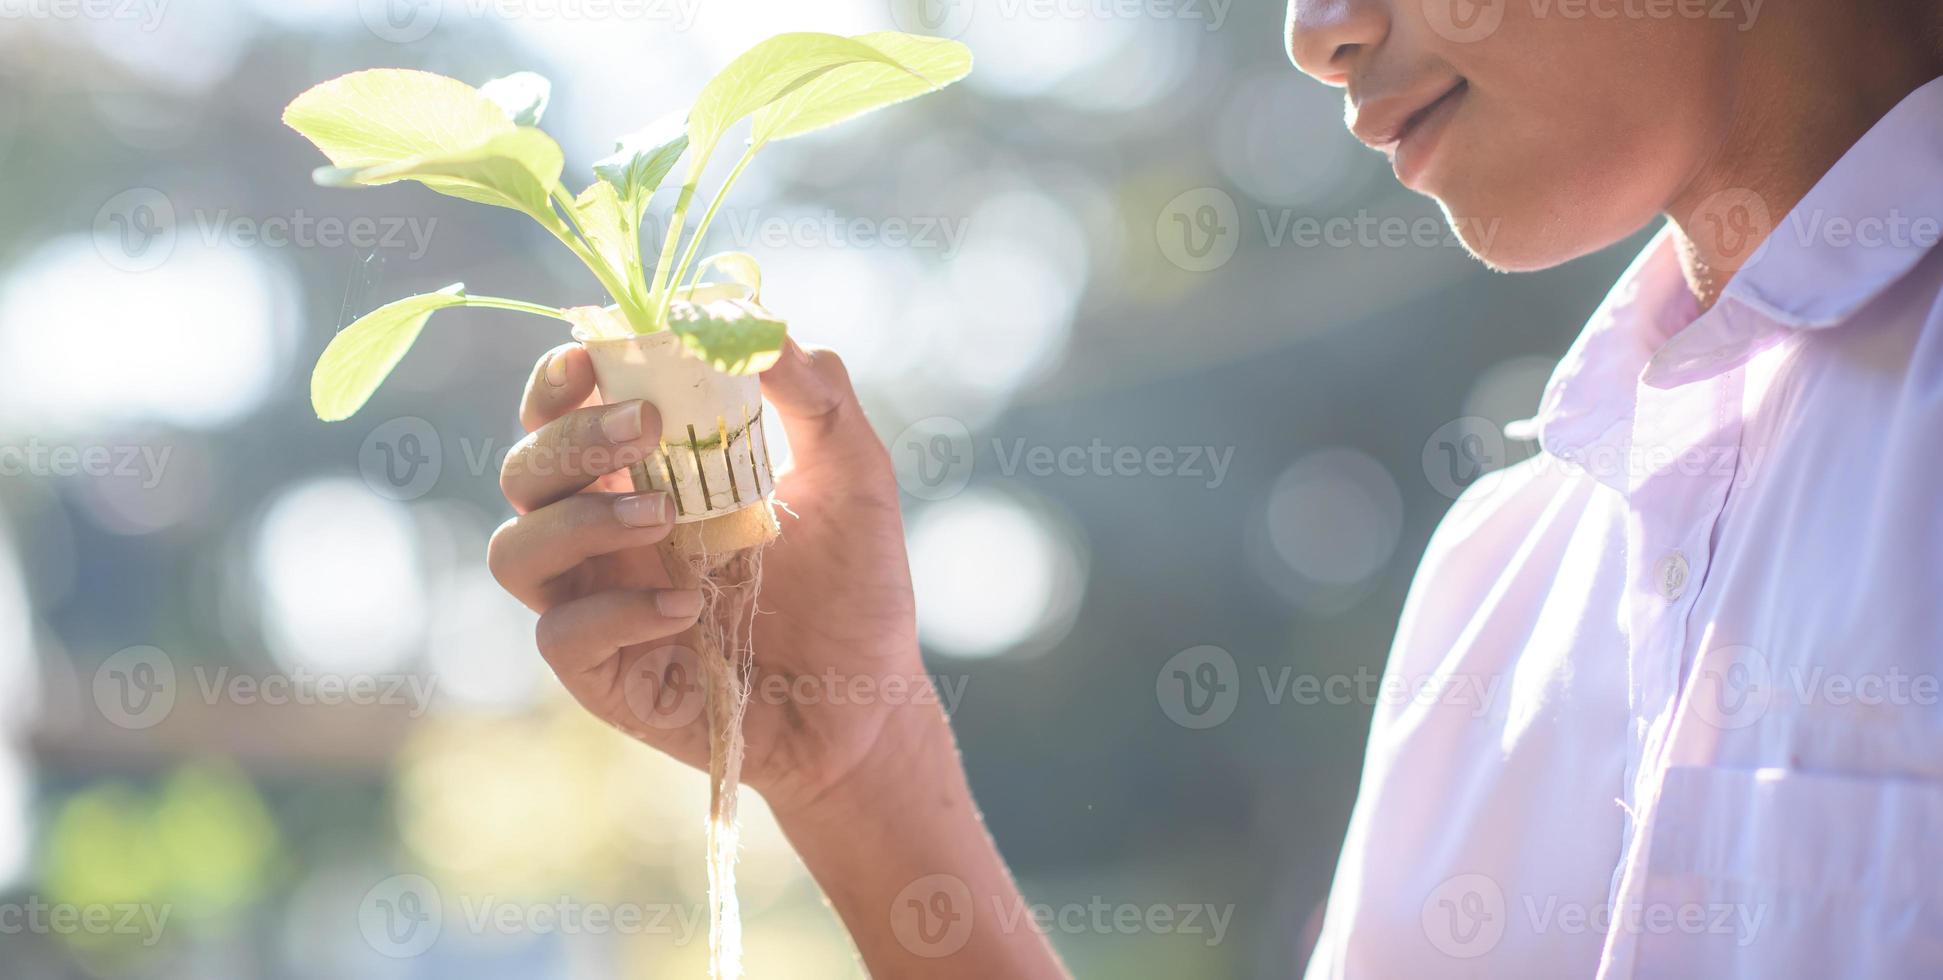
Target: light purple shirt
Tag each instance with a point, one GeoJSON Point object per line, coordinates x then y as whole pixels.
{"type": "Point", "coordinates": [1692, 649]}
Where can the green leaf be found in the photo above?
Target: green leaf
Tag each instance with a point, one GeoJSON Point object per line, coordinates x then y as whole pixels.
{"type": "Point", "coordinates": [762, 75]}
{"type": "Point", "coordinates": [642, 160]}
{"type": "Point", "coordinates": [523, 95]}
{"type": "Point", "coordinates": [740, 267]}
{"type": "Point", "coordinates": [766, 73]}
{"type": "Point", "coordinates": [605, 223]}
{"type": "Point", "coordinates": [923, 65]}
{"type": "Point", "coordinates": [362, 354]}
{"type": "Point", "coordinates": [390, 115]}
{"type": "Point", "coordinates": [516, 169]}
{"type": "Point", "coordinates": [734, 335]}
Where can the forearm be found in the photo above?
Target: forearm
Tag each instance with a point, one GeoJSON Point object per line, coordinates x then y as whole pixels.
{"type": "Point", "coordinates": [903, 855]}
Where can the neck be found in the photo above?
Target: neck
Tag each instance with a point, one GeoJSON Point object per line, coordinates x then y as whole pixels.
{"type": "Point", "coordinates": [1815, 81]}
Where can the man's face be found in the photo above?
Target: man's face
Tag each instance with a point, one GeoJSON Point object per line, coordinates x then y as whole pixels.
{"type": "Point", "coordinates": [1546, 128]}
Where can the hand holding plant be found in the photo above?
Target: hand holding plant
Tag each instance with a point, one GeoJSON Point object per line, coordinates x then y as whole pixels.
{"type": "Point", "coordinates": [836, 593]}
{"type": "Point", "coordinates": [870, 791]}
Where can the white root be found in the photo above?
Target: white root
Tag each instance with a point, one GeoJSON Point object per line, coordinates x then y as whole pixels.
{"type": "Point", "coordinates": [722, 557]}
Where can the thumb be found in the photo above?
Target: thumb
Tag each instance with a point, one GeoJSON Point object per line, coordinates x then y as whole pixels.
{"type": "Point", "coordinates": [821, 415]}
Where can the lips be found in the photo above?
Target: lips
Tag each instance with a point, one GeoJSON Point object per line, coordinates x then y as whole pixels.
{"type": "Point", "coordinates": [1406, 125]}
{"type": "Point", "coordinates": [1384, 121]}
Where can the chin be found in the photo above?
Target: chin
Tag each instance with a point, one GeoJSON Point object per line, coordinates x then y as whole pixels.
{"type": "Point", "coordinates": [1531, 214]}
{"type": "Point", "coordinates": [1531, 239]}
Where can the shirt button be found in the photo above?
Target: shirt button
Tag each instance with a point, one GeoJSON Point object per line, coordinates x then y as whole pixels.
{"type": "Point", "coordinates": [1671, 576]}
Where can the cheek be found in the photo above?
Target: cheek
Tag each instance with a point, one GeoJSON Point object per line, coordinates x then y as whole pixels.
{"type": "Point", "coordinates": [1571, 147]}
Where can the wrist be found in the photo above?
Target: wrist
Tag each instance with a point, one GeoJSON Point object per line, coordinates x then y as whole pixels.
{"type": "Point", "coordinates": [899, 850]}
{"type": "Point", "coordinates": [912, 757]}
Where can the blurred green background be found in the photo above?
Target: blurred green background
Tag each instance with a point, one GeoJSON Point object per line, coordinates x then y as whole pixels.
{"type": "Point", "coordinates": [1167, 361]}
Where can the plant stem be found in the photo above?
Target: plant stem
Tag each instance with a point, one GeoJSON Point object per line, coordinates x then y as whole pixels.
{"type": "Point", "coordinates": [695, 243]}
{"type": "Point", "coordinates": [516, 305]}
{"type": "Point", "coordinates": [573, 238]}
{"type": "Point", "coordinates": [669, 242]}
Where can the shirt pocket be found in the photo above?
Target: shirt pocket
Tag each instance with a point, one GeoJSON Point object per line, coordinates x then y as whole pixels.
{"type": "Point", "coordinates": [1782, 873]}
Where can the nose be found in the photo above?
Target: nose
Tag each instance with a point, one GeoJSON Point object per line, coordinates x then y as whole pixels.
{"type": "Point", "coordinates": [1326, 36]}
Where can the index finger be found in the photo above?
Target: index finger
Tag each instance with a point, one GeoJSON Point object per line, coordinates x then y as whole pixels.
{"type": "Point", "coordinates": [577, 450]}
{"type": "Point", "coordinates": [562, 380]}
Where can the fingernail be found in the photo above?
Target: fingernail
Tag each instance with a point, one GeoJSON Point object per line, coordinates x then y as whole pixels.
{"type": "Point", "coordinates": [642, 509]}
{"type": "Point", "coordinates": [556, 369]}
{"type": "Point", "coordinates": [678, 603]}
{"type": "Point", "coordinates": [622, 423]}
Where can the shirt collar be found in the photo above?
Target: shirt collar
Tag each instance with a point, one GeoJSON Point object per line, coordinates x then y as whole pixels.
{"type": "Point", "coordinates": [1862, 227]}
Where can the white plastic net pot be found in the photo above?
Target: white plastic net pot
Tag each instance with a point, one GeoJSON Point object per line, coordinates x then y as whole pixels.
{"type": "Point", "coordinates": [713, 458]}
